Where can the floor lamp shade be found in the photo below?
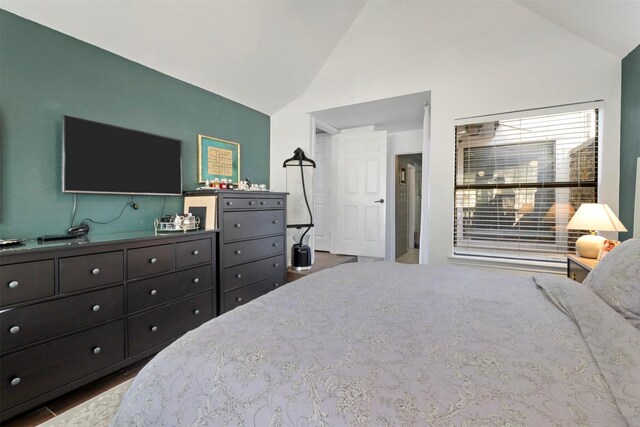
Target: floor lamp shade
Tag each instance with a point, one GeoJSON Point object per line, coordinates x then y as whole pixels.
{"type": "Point", "coordinates": [593, 217]}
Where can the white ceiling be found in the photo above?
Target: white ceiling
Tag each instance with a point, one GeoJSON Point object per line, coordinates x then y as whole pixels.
{"type": "Point", "coordinates": [260, 53]}
{"type": "Point", "coordinates": [265, 53]}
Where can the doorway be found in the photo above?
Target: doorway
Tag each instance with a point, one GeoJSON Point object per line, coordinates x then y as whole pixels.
{"type": "Point", "coordinates": [408, 191]}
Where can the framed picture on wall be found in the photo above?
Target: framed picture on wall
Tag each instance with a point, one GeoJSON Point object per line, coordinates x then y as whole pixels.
{"type": "Point", "coordinates": [218, 159]}
{"type": "Point", "coordinates": [403, 176]}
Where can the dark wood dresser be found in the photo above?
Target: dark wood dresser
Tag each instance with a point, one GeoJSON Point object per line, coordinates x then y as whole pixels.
{"type": "Point", "coordinates": [253, 236]}
{"type": "Point", "coordinates": [578, 267]}
{"type": "Point", "coordinates": [75, 311]}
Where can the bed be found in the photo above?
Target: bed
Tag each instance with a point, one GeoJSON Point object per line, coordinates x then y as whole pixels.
{"type": "Point", "coordinates": [386, 344]}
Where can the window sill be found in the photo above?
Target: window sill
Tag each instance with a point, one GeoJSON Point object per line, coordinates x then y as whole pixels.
{"type": "Point", "coordinates": [522, 265]}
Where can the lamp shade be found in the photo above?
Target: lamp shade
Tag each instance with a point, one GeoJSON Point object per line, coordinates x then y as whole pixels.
{"type": "Point", "coordinates": [595, 217]}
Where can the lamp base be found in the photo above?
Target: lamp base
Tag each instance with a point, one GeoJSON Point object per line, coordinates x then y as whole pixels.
{"type": "Point", "coordinates": [588, 246]}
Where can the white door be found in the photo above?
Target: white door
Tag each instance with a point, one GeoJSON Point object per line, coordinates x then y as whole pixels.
{"type": "Point", "coordinates": [322, 193]}
{"type": "Point", "coordinates": [411, 193]}
{"type": "Point", "coordinates": [359, 186]}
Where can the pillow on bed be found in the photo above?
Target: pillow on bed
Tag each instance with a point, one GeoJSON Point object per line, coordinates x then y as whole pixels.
{"type": "Point", "coordinates": [616, 279]}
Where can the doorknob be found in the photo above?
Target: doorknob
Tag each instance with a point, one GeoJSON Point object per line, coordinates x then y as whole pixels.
{"type": "Point", "coordinates": [379, 201]}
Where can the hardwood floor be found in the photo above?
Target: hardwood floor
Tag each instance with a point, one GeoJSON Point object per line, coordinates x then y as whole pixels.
{"type": "Point", "coordinates": [322, 260]}
{"type": "Point", "coordinates": [409, 257]}
{"type": "Point", "coordinates": [67, 401]}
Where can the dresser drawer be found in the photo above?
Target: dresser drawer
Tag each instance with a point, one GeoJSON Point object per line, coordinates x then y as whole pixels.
{"type": "Point", "coordinates": [229, 204]}
{"type": "Point", "coordinates": [158, 290]}
{"type": "Point", "coordinates": [193, 253]}
{"type": "Point", "coordinates": [240, 275]}
{"type": "Point", "coordinates": [46, 367]}
{"type": "Point", "coordinates": [237, 297]}
{"type": "Point", "coordinates": [89, 271]}
{"type": "Point", "coordinates": [162, 324]}
{"type": "Point", "coordinates": [26, 281]}
{"type": "Point", "coordinates": [147, 261]}
{"type": "Point", "coordinates": [249, 224]}
{"type": "Point", "coordinates": [241, 252]}
{"type": "Point", "coordinates": [270, 203]}
{"type": "Point", "coordinates": [26, 325]}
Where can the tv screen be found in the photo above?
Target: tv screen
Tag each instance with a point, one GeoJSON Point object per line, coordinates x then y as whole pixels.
{"type": "Point", "coordinates": [101, 158]}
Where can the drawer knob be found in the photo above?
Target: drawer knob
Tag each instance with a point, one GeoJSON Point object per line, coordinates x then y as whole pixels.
{"type": "Point", "coordinates": [262, 203]}
{"type": "Point", "coordinates": [239, 276]}
{"type": "Point", "coordinates": [95, 271]}
{"type": "Point", "coordinates": [196, 312]}
{"type": "Point", "coordinates": [275, 245]}
{"type": "Point", "coordinates": [153, 260]}
{"type": "Point", "coordinates": [195, 252]}
{"type": "Point", "coordinates": [279, 202]}
{"type": "Point", "coordinates": [97, 350]}
{"type": "Point", "coordinates": [229, 203]}
{"type": "Point", "coordinates": [154, 328]}
{"type": "Point", "coordinates": [237, 225]}
{"type": "Point", "coordinates": [276, 264]}
{"type": "Point", "coordinates": [239, 299]}
{"type": "Point", "coordinates": [238, 252]}
{"type": "Point", "coordinates": [275, 221]}
{"type": "Point", "coordinates": [95, 308]}
{"type": "Point", "coordinates": [14, 329]}
{"type": "Point", "coordinates": [252, 203]}
{"type": "Point", "coordinates": [153, 292]}
{"type": "Point", "coordinates": [15, 381]}
{"type": "Point", "coordinates": [14, 284]}
{"type": "Point", "coordinates": [275, 285]}
{"type": "Point", "coordinates": [573, 276]}
{"type": "Point", "coordinates": [196, 280]}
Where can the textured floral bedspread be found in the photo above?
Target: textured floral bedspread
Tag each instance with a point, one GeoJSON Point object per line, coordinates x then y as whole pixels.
{"type": "Point", "coordinates": [386, 344]}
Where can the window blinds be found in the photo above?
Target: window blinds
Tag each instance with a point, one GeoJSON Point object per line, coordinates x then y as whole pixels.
{"type": "Point", "coordinates": [518, 181]}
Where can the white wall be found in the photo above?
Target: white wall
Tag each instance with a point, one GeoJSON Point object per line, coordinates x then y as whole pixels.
{"type": "Point", "coordinates": [476, 58]}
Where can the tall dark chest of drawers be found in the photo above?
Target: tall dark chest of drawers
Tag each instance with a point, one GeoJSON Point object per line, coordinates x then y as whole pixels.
{"type": "Point", "coordinates": [72, 313]}
{"type": "Point", "coordinates": [252, 245]}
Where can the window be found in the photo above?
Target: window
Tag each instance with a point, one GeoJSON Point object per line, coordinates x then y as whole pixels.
{"type": "Point", "coordinates": [519, 180]}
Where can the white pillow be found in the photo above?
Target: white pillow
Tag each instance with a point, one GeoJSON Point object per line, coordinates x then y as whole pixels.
{"type": "Point", "coordinates": [616, 280]}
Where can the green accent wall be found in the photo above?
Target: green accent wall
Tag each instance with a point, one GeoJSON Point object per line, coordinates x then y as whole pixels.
{"type": "Point", "coordinates": [629, 138]}
{"type": "Point", "coordinates": [45, 74]}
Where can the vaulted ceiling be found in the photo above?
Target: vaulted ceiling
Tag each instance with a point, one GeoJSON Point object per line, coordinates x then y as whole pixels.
{"type": "Point", "coordinates": [265, 53]}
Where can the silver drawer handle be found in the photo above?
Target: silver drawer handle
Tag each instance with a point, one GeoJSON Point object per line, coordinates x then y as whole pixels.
{"type": "Point", "coordinates": [275, 221]}
{"type": "Point", "coordinates": [95, 308]}
{"type": "Point", "coordinates": [154, 328]}
{"type": "Point", "coordinates": [252, 203]}
{"type": "Point", "coordinates": [153, 292]}
{"type": "Point", "coordinates": [237, 225]}
{"type": "Point", "coordinates": [15, 381]}
{"type": "Point", "coordinates": [153, 260]}
{"type": "Point", "coordinates": [14, 329]}
{"type": "Point", "coordinates": [95, 271]}
{"type": "Point", "coordinates": [229, 203]}
{"type": "Point", "coordinates": [239, 276]}
{"type": "Point", "coordinates": [275, 285]}
{"type": "Point", "coordinates": [279, 202]}
{"type": "Point", "coordinates": [196, 312]}
{"type": "Point", "coordinates": [14, 284]}
{"type": "Point", "coordinates": [97, 350]}
{"type": "Point", "coordinates": [262, 203]}
{"type": "Point", "coordinates": [238, 252]}
{"type": "Point", "coordinates": [196, 280]}
{"type": "Point", "coordinates": [195, 252]}
{"type": "Point", "coordinates": [276, 264]}
{"type": "Point", "coordinates": [275, 245]}
{"type": "Point", "coordinates": [239, 299]}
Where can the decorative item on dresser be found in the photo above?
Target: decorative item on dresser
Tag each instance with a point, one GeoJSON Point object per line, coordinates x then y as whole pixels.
{"type": "Point", "coordinates": [72, 313]}
{"type": "Point", "coordinates": [578, 267]}
{"type": "Point", "coordinates": [252, 245]}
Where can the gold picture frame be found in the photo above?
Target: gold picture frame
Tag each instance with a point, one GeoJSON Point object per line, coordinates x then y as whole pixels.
{"type": "Point", "coordinates": [218, 159]}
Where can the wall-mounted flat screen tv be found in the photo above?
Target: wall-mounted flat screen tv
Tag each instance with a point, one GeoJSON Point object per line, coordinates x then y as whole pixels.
{"type": "Point", "coordinates": [101, 158]}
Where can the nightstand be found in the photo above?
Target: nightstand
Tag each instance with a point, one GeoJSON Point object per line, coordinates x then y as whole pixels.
{"type": "Point", "coordinates": [578, 267]}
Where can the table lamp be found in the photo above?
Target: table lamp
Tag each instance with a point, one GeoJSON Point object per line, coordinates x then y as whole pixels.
{"type": "Point", "coordinates": [593, 217]}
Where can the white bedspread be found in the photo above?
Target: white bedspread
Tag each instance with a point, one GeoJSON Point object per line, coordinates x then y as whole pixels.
{"type": "Point", "coordinates": [386, 344]}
